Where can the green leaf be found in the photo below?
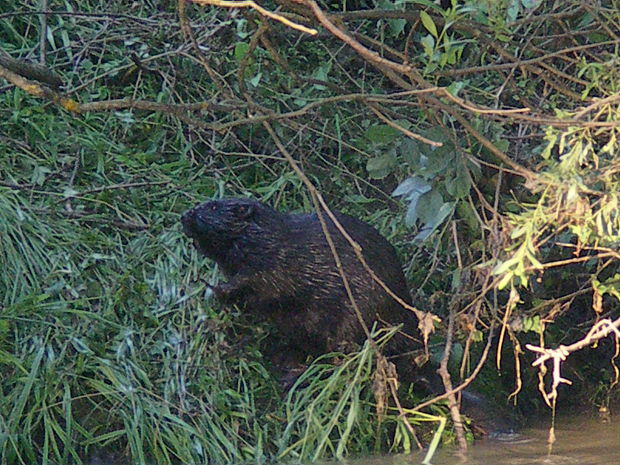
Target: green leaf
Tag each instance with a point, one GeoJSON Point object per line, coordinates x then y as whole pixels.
{"type": "Point", "coordinates": [505, 281]}
{"type": "Point", "coordinates": [50, 37]}
{"type": "Point", "coordinates": [241, 49]}
{"type": "Point", "coordinates": [428, 23]}
{"type": "Point", "coordinates": [429, 205]}
{"type": "Point", "coordinates": [39, 174]}
{"type": "Point", "coordinates": [514, 8]}
{"type": "Point", "coordinates": [381, 133]}
{"type": "Point", "coordinates": [462, 183]}
{"type": "Point", "coordinates": [468, 214]}
{"type": "Point", "coordinates": [437, 134]}
{"type": "Point", "coordinates": [439, 217]}
{"type": "Point", "coordinates": [456, 279]}
{"type": "Point", "coordinates": [414, 184]}
{"type": "Point", "coordinates": [532, 323]}
{"type": "Point", "coordinates": [501, 144]}
{"type": "Point", "coordinates": [410, 152]}
{"type": "Point", "coordinates": [428, 44]}
{"type": "Point", "coordinates": [546, 153]}
{"type": "Point", "coordinates": [438, 160]}
{"type": "Point", "coordinates": [502, 267]}
{"type": "Point", "coordinates": [427, 3]}
{"type": "Point", "coordinates": [321, 74]}
{"type": "Point", "coordinates": [411, 189]}
{"type": "Point", "coordinates": [529, 4]}
{"type": "Point", "coordinates": [397, 26]}
{"type": "Point", "coordinates": [380, 167]}
{"type": "Point", "coordinates": [256, 79]}
{"type": "Point", "coordinates": [610, 286]}
{"type": "Point", "coordinates": [455, 88]}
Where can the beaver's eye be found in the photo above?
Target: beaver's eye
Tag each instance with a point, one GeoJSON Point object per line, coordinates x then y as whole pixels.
{"type": "Point", "coordinates": [244, 211]}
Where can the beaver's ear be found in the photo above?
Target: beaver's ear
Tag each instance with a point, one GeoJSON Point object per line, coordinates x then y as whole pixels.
{"type": "Point", "coordinates": [244, 211]}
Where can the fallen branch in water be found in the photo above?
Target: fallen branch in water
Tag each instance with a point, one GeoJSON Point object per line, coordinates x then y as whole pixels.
{"type": "Point", "coordinates": [599, 331]}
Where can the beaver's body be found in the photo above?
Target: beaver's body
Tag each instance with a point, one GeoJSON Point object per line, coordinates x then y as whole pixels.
{"type": "Point", "coordinates": [281, 265]}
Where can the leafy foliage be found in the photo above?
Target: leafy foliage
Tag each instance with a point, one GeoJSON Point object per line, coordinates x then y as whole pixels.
{"type": "Point", "coordinates": [109, 345]}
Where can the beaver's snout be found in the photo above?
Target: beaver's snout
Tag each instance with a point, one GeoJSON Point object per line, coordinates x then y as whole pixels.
{"type": "Point", "coordinates": [188, 220]}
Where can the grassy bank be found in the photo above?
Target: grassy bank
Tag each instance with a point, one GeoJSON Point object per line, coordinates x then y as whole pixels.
{"type": "Point", "coordinates": [481, 140]}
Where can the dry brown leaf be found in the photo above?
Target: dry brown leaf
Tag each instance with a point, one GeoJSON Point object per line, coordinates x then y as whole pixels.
{"type": "Point", "coordinates": [426, 325]}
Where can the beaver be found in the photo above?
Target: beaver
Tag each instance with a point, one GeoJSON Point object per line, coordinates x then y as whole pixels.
{"type": "Point", "coordinates": [281, 266]}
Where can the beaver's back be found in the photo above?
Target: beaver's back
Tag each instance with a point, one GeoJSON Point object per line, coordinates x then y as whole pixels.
{"type": "Point", "coordinates": [285, 269]}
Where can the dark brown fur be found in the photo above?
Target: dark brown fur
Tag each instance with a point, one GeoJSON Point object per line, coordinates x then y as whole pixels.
{"type": "Point", "coordinates": [281, 265]}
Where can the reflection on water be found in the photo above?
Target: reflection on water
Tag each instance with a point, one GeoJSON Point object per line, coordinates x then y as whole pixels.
{"type": "Point", "coordinates": [579, 441]}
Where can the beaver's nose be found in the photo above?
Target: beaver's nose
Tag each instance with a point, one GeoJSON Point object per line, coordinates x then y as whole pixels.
{"type": "Point", "coordinates": [188, 219]}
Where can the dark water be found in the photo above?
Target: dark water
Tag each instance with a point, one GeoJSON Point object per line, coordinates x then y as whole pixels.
{"type": "Point", "coordinates": [579, 441]}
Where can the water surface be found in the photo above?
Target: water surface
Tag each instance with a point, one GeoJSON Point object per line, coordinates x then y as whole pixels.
{"type": "Point", "coordinates": [581, 440]}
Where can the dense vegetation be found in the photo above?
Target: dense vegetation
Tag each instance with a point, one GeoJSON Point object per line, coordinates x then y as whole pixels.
{"type": "Point", "coordinates": [482, 140]}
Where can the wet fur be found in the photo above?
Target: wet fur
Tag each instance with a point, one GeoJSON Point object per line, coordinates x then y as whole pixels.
{"type": "Point", "coordinates": [281, 266]}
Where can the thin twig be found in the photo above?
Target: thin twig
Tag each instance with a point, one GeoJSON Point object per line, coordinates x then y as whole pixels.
{"type": "Point", "coordinates": [260, 9]}
{"type": "Point", "coordinates": [43, 34]}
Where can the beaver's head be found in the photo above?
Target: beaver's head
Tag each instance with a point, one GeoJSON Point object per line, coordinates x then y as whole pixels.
{"type": "Point", "coordinates": [216, 225]}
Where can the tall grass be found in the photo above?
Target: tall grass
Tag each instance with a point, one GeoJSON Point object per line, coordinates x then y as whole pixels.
{"type": "Point", "coordinates": [332, 410]}
{"type": "Point", "coordinates": [109, 346]}
{"type": "Point", "coordinates": [140, 367]}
